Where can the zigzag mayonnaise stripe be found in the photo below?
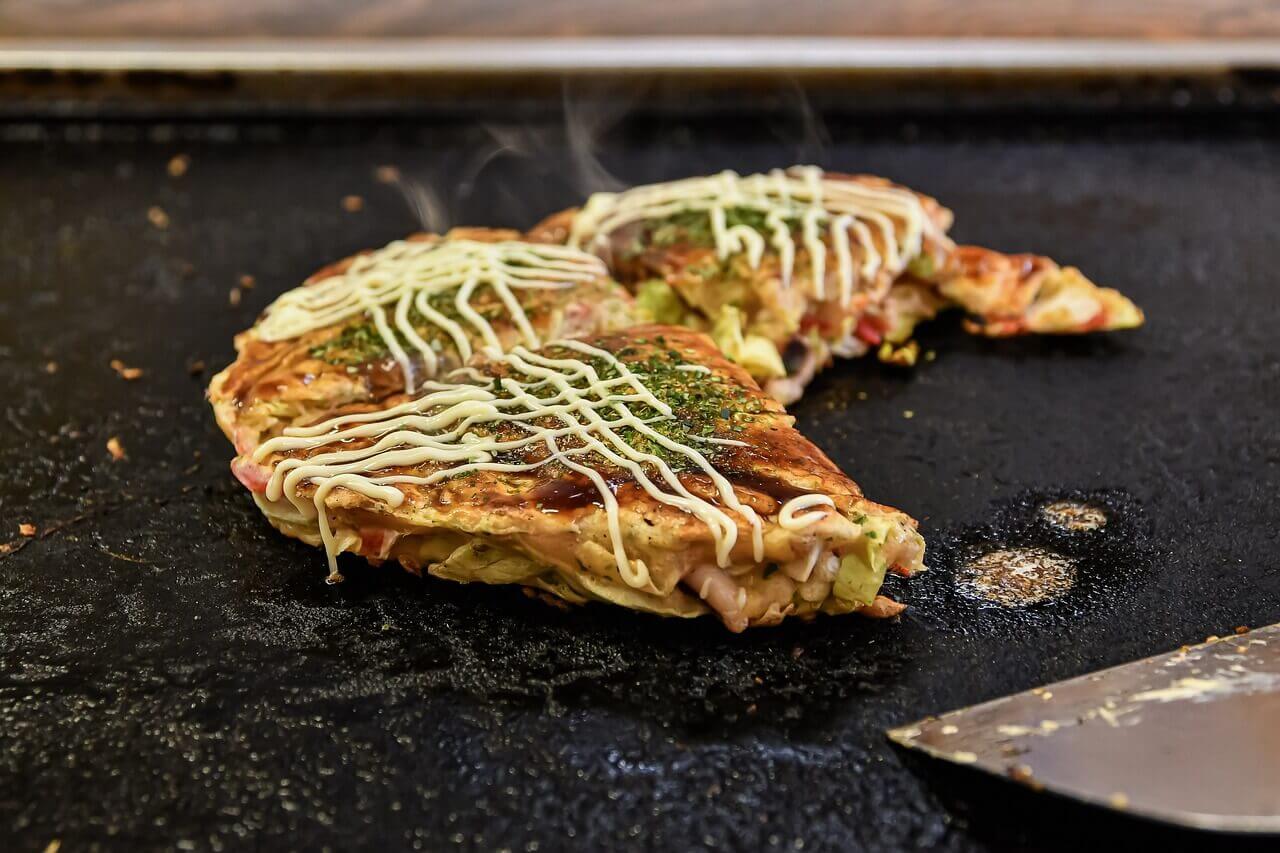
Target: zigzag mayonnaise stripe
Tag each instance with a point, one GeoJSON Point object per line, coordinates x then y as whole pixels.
{"type": "Point", "coordinates": [555, 402]}
{"type": "Point", "coordinates": [404, 275]}
{"type": "Point", "coordinates": [886, 224]}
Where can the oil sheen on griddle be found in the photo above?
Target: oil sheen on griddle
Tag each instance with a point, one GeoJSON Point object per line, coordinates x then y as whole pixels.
{"type": "Point", "coordinates": [1017, 577]}
{"type": "Point", "coordinates": [1039, 558]}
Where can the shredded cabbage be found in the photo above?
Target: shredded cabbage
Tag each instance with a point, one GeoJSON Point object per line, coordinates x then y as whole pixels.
{"type": "Point", "coordinates": [755, 353]}
{"type": "Point", "coordinates": [486, 563]}
{"type": "Point", "coordinates": [862, 568]}
{"type": "Point", "coordinates": [659, 303]}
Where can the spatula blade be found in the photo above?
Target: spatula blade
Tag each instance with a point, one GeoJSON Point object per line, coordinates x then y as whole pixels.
{"type": "Point", "coordinates": [1191, 737]}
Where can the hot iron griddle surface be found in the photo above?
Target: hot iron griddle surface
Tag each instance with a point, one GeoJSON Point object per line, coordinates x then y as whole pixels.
{"type": "Point", "coordinates": [174, 672]}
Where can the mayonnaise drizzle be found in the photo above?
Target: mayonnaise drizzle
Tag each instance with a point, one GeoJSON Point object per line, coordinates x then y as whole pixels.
{"type": "Point", "coordinates": [887, 224]}
{"type": "Point", "coordinates": [787, 518]}
{"type": "Point", "coordinates": [406, 274]}
{"type": "Point", "coordinates": [555, 402]}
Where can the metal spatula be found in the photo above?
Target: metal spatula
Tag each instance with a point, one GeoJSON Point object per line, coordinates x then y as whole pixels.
{"type": "Point", "coordinates": [1191, 737]}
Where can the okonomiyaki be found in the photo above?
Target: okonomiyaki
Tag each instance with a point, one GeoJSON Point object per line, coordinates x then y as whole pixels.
{"type": "Point", "coordinates": [387, 321]}
{"type": "Point", "coordinates": [638, 467]}
{"type": "Point", "coordinates": [787, 269]}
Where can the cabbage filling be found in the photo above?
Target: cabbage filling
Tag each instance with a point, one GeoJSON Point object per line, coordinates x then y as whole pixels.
{"type": "Point", "coordinates": [829, 579]}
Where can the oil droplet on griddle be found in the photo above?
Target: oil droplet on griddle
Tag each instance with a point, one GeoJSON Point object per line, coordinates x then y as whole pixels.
{"type": "Point", "coordinates": [1074, 516]}
{"type": "Point", "coordinates": [1017, 577]}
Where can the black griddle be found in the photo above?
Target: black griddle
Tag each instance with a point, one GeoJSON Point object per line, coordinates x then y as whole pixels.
{"type": "Point", "coordinates": [175, 674]}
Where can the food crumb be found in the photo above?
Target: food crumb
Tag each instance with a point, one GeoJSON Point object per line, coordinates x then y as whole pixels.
{"type": "Point", "coordinates": [125, 372]}
{"type": "Point", "coordinates": [247, 281]}
{"type": "Point", "coordinates": [1242, 629]}
{"type": "Point", "coordinates": [27, 529]}
{"type": "Point", "coordinates": [1021, 773]}
{"type": "Point", "coordinates": [234, 297]}
{"type": "Point", "coordinates": [862, 395]}
{"type": "Point", "coordinates": [51, 367]}
{"type": "Point", "coordinates": [196, 367]}
{"type": "Point", "coordinates": [157, 217]}
{"type": "Point", "coordinates": [386, 174]}
{"type": "Point", "coordinates": [352, 203]}
{"type": "Point", "coordinates": [908, 414]}
{"type": "Point", "coordinates": [930, 354]}
{"type": "Point", "coordinates": [115, 448]}
{"type": "Point", "coordinates": [178, 165]}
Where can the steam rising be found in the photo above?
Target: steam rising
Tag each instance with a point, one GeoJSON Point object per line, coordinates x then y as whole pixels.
{"type": "Point", "coordinates": [584, 125]}
{"type": "Point", "coordinates": [426, 204]}
{"type": "Point", "coordinates": [803, 127]}
{"type": "Point", "coordinates": [570, 153]}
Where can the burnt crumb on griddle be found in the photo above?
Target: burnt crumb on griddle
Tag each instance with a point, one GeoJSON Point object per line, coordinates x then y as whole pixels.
{"type": "Point", "coordinates": [27, 529]}
{"type": "Point", "coordinates": [352, 203]}
{"type": "Point", "coordinates": [124, 371]}
{"type": "Point", "coordinates": [386, 174]}
{"type": "Point", "coordinates": [178, 165]}
{"type": "Point", "coordinates": [116, 448]}
{"type": "Point", "coordinates": [234, 297]}
{"type": "Point", "coordinates": [157, 217]}
{"type": "Point", "coordinates": [196, 367]}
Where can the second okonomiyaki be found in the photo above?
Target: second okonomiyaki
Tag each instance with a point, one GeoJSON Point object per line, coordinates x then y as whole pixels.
{"type": "Point", "coordinates": [790, 268]}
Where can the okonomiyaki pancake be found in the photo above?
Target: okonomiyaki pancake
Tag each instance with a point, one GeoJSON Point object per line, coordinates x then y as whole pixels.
{"type": "Point", "coordinates": [1002, 296]}
{"type": "Point", "coordinates": [1007, 295]}
{"type": "Point", "coordinates": [386, 321]}
{"type": "Point", "coordinates": [779, 268]}
{"type": "Point", "coordinates": [638, 467]}
{"type": "Point", "coordinates": [790, 268]}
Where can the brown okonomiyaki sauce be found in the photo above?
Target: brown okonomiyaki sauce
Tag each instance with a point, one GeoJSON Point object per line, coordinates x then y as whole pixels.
{"type": "Point", "coordinates": [572, 491]}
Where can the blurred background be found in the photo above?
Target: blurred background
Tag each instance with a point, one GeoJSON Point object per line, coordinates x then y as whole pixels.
{"type": "Point", "coordinates": [304, 50]}
{"type": "Point", "coordinates": [166, 19]}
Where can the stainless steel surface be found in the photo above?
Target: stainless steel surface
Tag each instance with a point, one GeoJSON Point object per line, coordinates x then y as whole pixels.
{"type": "Point", "coordinates": [643, 54]}
{"type": "Point", "coordinates": [1191, 737]}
